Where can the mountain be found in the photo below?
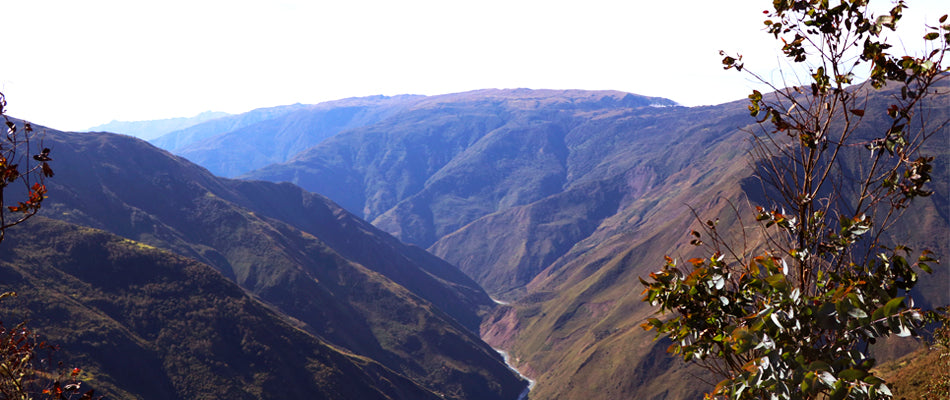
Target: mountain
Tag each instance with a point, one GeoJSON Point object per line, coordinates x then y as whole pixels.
{"type": "Point", "coordinates": [149, 130]}
{"type": "Point", "coordinates": [554, 201]}
{"type": "Point", "coordinates": [182, 137]}
{"type": "Point", "coordinates": [588, 304]}
{"type": "Point", "coordinates": [337, 278]}
{"type": "Point", "coordinates": [451, 159]}
{"type": "Point", "coordinates": [144, 323]}
{"type": "Point", "coordinates": [233, 146]}
{"type": "Point", "coordinates": [558, 201]}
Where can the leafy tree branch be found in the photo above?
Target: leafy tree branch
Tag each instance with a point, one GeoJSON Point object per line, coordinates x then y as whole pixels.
{"type": "Point", "coordinates": [790, 315]}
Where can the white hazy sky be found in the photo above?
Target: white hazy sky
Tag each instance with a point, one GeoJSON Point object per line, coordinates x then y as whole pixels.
{"type": "Point", "coordinates": [75, 64]}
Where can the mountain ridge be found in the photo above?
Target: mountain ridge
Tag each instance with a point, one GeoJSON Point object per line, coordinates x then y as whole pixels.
{"type": "Point", "coordinates": [559, 208]}
{"type": "Point", "coordinates": [369, 294]}
{"type": "Point", "coordinates": [145, 323]}
{"type": "Point", "coordinates": [268, 135]}
{"type": "Point", "coordinates": [554, 204]}
{"type": "Point", "coordinates": [151, 129]}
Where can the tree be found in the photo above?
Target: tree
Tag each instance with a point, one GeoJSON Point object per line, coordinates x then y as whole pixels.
{"type": "Point", "coordinates": [19, 171]}
{"type": "Point", "coordinates": [788, 309]}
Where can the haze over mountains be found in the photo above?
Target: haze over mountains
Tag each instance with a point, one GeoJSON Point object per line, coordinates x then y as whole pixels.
{"type": "Point", "coordinates": [149, 130]}
{"type": "Point", "coordinates": [556, 201]}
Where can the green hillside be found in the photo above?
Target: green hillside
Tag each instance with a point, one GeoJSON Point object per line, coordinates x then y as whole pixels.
{"type": "Point", "coordinates": [145, 323]}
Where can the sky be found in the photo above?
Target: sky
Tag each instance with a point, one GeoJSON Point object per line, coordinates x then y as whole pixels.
{"type": "Point", "coordinates": [72, 65]}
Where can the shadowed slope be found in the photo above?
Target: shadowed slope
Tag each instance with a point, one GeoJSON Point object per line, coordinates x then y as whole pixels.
{"type": "Point", "coordinates": [389, 302]}
{"type": "Point", "coordinates": [145, 323]}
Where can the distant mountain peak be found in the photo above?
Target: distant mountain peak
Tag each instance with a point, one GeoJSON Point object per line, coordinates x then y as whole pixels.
{"type": "Point", "coordinates": [537, 98]}
{"type": "Point", "coordinates": [152, 129]}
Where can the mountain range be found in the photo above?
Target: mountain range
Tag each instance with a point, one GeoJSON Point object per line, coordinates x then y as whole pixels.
{"type": "Point", "coordinates": [555, 202]}
{"type": "Point", "coordinates": [271, 135]}
{"type": "Point", "coordinates": [326, 273]}
{"type": "Point", "coordinates": [558, 201]}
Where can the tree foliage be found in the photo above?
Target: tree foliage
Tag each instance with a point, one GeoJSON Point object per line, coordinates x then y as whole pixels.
{"type": "Point", "coordinates": [787, 311]}
{"type": "Point", "coordinates": [19, 173]}
{"type": "Point", "coordinates": [27, 369]}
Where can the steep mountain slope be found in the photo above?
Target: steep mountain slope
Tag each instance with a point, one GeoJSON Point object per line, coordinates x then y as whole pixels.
{"type": "Point", "coordinates": [559, 201]}
{"type": "Point", "coordinates": [586, 304]}
{"type": "Point", "coordinates": [358, 288]}
{"type": "Point", "coordinates": [256, 142]}
{"type": "Point", "coordinates": [615, 163]}
{"type": "Point", "coordinates": [451, 159]}
{"type": "Point", "coordinates": [148, 130]}
{"type": "Point", "coordinates": [145, 323]}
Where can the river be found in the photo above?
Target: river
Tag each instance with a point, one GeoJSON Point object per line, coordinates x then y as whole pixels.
{"type": "Point", "coordinates": [524, 394]}
{"type": "Point", "coordinates": [507, 357]}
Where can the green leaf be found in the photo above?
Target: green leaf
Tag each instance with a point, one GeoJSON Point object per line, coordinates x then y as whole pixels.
{"type": "Point", "coordinates": [651, 323]}
{"type": "Point", "coordinates": [852, 374]}
{"type": "Point", "coordinates": [818, 366]}
{"type": "Point", "coordinates": [810, 383]}
{"type": "Point", "coordinates": [891, 307]}
{"type": "Point", "coordinates": [777, 281]}
{"type": "Point", "coordinates": [925, 256]}
{"type": "Point", "coordinates": [878, 314]}
{"type": "Point", "coordinates": [743, 340]}
{"type": "Point", "coordinates": [931, 36]}
{"type": "Point", "coordinates": [840, 392]}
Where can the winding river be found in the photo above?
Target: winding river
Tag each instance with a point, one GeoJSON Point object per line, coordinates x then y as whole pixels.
{"type": "Point", "coordinates": [531, 382]}
{"type": "Point", "coordinates": [507, 357]}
